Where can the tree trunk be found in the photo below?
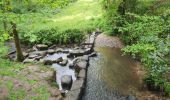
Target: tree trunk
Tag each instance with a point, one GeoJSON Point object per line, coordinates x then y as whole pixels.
{"type": "Point", "coordinates": [20, 56]}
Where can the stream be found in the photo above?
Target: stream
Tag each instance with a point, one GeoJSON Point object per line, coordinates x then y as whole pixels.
{"type": "Point", "coordinates": [111, 76]}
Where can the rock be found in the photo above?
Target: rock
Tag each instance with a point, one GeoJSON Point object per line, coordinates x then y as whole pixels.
{"type": "Point", "coordinates": [42, 47]}
{"type": "Point", "coordinates": [39, 53]}
{"type": "Point", "coordinates": [51, 51]}
{"type": "Point", "coordinates": [66, 82]}
{"type": "Point", "coordinates": [94, 54]}
{"type": "Point", "coordinates": [131, 98]}
{"type": "Point", "coordinates": [32, 56]}
{"type": "Point", "coordinates": [60, 59]}
{"type": "Point", "coordinates": [59, 50]}
{"type": "Point", "coordinates": [54, 92]}
{"type": "Point", "coordinates": [85, 57]}
{"type": "Point", "coordinates": [82, 64]}
{"type": "Point", "coordinates": [73, 53]}
{"type": "Point", "coordinates": [88, 51]}
{"type": "Point", "coordinates": [25, 54]}
{"type": "Point", "coordinates": [71, 64]}
{"type": "Point", "coordinates": [64, 62]}
{"type": "Point", "coordinates": [65, 51]}
{"type": "Point", "coordinates": [51, 61]}
{"type": "Point", "coordinates": [82, 73]}
{"type": "Point", "coordinates": [27, 60]}
{"type": "Point", "coordinates": [52, 47]}
{"type": "Point", "coordinates": [78, 84]}
{"type": "Point", "coordinates": [38, 58]}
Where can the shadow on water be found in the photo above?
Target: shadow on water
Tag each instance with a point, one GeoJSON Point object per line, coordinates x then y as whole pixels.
{"type": "Point", "coordinates": [111, 76]}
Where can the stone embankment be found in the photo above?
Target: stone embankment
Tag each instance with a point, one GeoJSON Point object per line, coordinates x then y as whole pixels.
{"type": "Point", "coordinates": [70, 65]}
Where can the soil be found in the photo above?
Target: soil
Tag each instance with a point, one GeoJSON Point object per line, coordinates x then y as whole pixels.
{"type": "Point", "coordinates": [32, 78]}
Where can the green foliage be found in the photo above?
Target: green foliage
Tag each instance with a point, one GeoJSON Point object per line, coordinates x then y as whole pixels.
{"type": "Point", "coordinates": [144, 35]}
{"type": "Point", "coordinates": [147, 37]}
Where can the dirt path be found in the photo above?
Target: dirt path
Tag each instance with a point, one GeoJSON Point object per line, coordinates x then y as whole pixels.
{"type": "Point", "coordinates": [109, 41]}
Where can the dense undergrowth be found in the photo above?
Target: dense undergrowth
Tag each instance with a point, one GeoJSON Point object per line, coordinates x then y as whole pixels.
{"type": "Point", "coordinates": [145, 29]}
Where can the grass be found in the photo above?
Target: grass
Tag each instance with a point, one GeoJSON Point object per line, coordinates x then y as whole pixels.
{"type": "Point", "coordinates": [81, 16]}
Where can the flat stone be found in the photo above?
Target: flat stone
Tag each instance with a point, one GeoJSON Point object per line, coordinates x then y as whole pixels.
{"type": "Point", "coordinates": [27, 60]}
{"type": "Point", "coordinates": [51, 61]}
{"type": "Point", "coordinates": [81, 64]}
{"type": "Point", "coordinates": [32, 56]}
{"type": "Point", "coordinates": [85, 57]}
{"type": "Point", "coordinates": [88, 51]}
{"type": "Point", "coordinates": [58, 50]}
{"type": "Point", "coordinates": [51, 51]}
{"type": "Point", "coordinates": [79, 52]}
{"type": "Point", "coordinates": [78, 84]}
{"type": "Point", "coordinates": [82, 73]}
{"type": "Point", "coordinates": [25, 54]}
{"type": "Point", "coordinates": [38, 58]}
{"type": "Point", "coordinates": [39, 53]}
{"type": "Point", "coordinates": [42, 47]}
{"type": "Point", "coordinates": [65, 51]}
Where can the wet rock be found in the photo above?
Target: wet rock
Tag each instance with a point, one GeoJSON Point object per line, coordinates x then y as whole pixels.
{"type": "Point", "coordinates": [85, 57]}
{"type": "Point", "coordinates": [71, 64]}
{"type": "Point", "coordinates": [76, 53]}
{"type": "Point", "coordinates": [59, 50]}
{"type": "Point", "coordinates": [65, 51]}
{"type": "Point", "coordinates": [88, 51]}
{"type": "Point", "coordinates": [64, 62]}
{"type": "Point", "coordinates": [94, 54]}
{"type": "Point", "coordinates": [38, 58]}
{"type": "Point", "coordinates": [42, 47]}
{"type": "Point", "coordinates": [52, 47]}
{"type": "Point", "coordinates": [27, 60]}
{"type": "Point", "coordinates": [66, 82]}
{"type": "Point", "coordinates": [41, 53]}
{"type": "Point", "coordinates": [78, 84]}
{"type": "Point", "coordinates": [82, 73]}
{"type": "Point", "coordinates": [32, 56]}
{"type": "Point", "coordinates": [51, 51]}
{"type": "Point", "coordinates": [51, 61]}
{"type": "Point", "coordinates": [25, 54]}
{"type": "Point", "coordinates": [131, 98]}
{"type": "Point", "coordinates": [80, 65]}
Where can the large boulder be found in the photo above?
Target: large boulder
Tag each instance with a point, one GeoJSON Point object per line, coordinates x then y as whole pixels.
{"type": "Point", "coordinates": [66, 82]}
{"type": "Point", "coordinates": [42, 47]}
{"type": "Point", "coordinates": [64, 62]}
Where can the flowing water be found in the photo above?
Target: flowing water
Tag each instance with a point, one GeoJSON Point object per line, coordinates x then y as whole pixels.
{"type": "Point", "coordinates": [111, 76]}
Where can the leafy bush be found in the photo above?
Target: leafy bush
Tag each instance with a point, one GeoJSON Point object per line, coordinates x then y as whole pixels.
{"type": "Point", "coordinates": [53, 35]}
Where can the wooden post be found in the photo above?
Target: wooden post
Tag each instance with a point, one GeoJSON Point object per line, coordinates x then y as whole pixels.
{"type": "Point", "coordinates": [20, 56]}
